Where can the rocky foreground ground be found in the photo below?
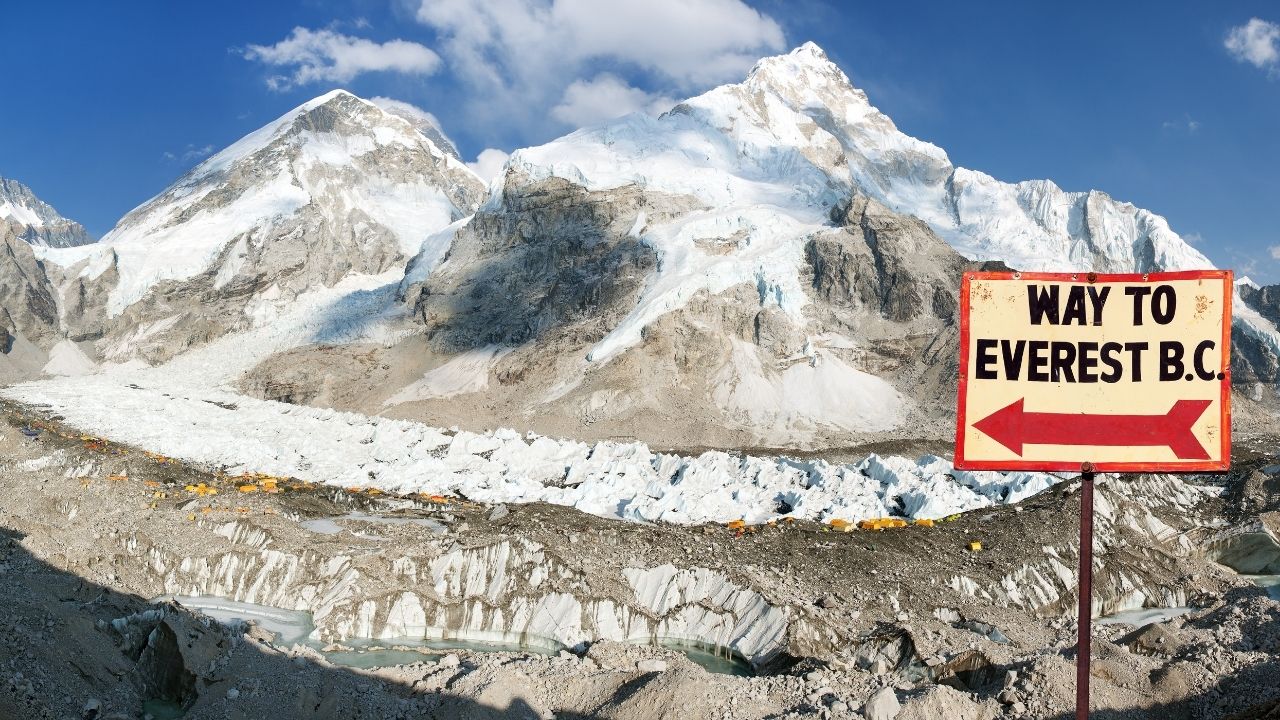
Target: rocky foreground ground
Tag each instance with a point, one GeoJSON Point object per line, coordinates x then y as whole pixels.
{"type": "Point", "coordinates": [901, 623]}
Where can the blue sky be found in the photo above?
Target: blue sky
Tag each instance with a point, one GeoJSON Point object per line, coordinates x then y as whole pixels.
{"type": "Point", "coordinates": [1174, 107]}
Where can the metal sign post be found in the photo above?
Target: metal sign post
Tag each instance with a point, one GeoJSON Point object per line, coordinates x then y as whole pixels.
{"type": "Point", "coordinates": [1096, 373]}
{"type": "Point", "coordinates": [1084, 625]}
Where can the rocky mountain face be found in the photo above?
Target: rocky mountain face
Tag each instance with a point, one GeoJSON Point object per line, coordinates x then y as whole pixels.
{"type": "Point", "coordinates": [337, 187]}
{"type": "Point", "coordinates": [27, 306]}
{"type": "Point", "coordinates": [1255, 359]}
{"type": "Point", "coordinates": [35, 221]}
{"type": "Point", "coordinates": [537, 282]}
{"type": "Point", "coordinates": [773, 260]}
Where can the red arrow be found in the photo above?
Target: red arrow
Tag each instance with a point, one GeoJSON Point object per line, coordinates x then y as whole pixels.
{"type": "Point", "coordinates": [1013, 428]}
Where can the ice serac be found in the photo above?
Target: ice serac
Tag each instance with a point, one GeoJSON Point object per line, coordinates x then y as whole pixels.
{"type": "Point", "coordinates": [335, 187]}
{"type": "Point", "coordinates": [35, 221]}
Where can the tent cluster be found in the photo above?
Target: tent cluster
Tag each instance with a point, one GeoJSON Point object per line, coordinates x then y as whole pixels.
{"type": "Point", "coordinates": [882, 523]}
{"type": "Point", "coordinates": [34, 428]}
{"type": "Point", "coordinates": [740, 527]}
{"type": "Point", "coordinates": [255, 482]}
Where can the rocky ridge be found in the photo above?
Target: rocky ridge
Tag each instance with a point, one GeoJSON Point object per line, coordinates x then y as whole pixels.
{"type": "Point", "coordinates": [35, 221]}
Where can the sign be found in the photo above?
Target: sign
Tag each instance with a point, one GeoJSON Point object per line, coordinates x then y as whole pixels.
{"type": "Point", "coordinates": [1128, 372]}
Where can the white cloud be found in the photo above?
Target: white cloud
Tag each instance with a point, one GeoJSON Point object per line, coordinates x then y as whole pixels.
{"type": "Point", "coordinates": [1194, 238]}
{"type": "Point", "coordinates": [559, 59]}
{"type": "Point", "coordinates": [1275, 252]}
{"type": "Point", "coordinates": [606, 96]}
{"type": "Point", "coordinates": [489, 163]}
{"type": "Point", "coordinates": [1257, 42]}
{"type": "Point", "coordinates": [1187, 125]}
{"type": "Point", "coordinates": [325, 55]}
{"type": "Point", "coordinates": [191, 152]}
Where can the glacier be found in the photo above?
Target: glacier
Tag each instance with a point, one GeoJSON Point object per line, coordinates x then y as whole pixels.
{"type": "Point", "coordinates": [623, 480]}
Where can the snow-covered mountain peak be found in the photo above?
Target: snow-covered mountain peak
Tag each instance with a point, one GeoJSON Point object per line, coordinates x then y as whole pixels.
{"type": "Point", "coordinates": [771, 161]}
{"type": "Point", "coordinates": [348, 186]}
{"type": "Point", "coordinates": [34, 220]}
{"type": "Point", "coordinates": [337, 112]}
{"type": "Point", "coordinates": [797, 135]}
{"type": "Point", "coordinates": [805, 72]}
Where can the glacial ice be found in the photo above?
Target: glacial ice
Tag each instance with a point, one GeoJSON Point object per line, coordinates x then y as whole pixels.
{"type": "Point", "coordinates": [612, 479]}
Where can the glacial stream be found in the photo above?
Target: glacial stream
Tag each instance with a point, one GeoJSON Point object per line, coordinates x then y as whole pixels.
{"type": "Point", "coordinates": [1270, 582]}
{"type": "Point", "coordinates": [710, 658]}
{"type": "Point", "coordinates": [295, 626]}
{"type": "Point", "coordinates": [1142, 617]}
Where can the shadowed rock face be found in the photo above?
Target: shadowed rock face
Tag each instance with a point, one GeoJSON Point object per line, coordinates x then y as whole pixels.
{"type": "Point", "coordinates": [550, 257]}
{"type": "Point", "coordinates": [1266, 300]}
{"type": "Point", "coordinates": [27, 305]}
{"type": "Point", "coordinates": [533, 283]}
{"type": "Point", "coordinates": [552, 269]}
{"type": "Point", "coordinates": [885, 263]}
{"type": "Point", "coordinates": [1253, 360]}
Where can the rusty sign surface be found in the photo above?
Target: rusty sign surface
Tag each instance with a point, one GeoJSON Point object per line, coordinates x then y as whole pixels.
{"type": "Point", "coordinates": [1129, 372]}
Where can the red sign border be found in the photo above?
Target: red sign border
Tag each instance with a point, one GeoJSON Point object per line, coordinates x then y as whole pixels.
{"type": "Point", "coordinates": [963, 463]}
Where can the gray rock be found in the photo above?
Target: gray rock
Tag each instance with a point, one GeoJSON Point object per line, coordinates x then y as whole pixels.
{"type": "Point", "coordinates": [1156, 639]}
{"type": "Point", "coordinates": [883, 705]}
{"type": "Point", "coordinates": [498, 512]}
